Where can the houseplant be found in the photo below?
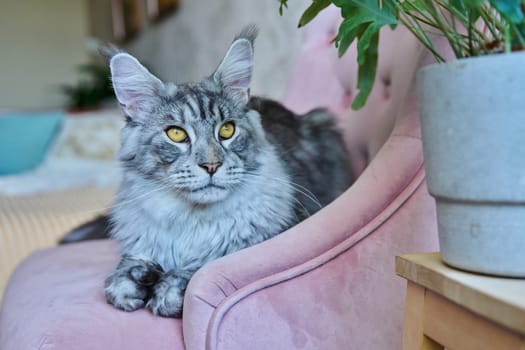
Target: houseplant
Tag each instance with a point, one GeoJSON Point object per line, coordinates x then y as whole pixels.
{"type": "Point", "coordinates": [471, 109]}
{"type": "Point", "coordinates": [92, 90]}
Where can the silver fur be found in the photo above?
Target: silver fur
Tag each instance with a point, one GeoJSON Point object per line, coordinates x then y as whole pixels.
{"type": "Point", "coordinates": [171, 216]}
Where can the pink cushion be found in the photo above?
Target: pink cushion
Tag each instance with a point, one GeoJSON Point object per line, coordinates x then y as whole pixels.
{"type": "Point", "coordinates": [55, 300]}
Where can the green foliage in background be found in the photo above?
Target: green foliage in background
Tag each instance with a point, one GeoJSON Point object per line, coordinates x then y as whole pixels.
{"type": "Point", "coordinates": [472, 27]}
{"type": "Point", "coordinates": [93, 88]}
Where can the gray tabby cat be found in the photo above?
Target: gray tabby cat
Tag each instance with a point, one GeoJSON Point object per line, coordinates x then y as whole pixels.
{"type": "Point", "coordinates": [207, 172]}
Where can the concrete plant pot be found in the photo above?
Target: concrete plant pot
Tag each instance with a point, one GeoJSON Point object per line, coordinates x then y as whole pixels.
{"type": "Point", "coordinates": [473, 128]}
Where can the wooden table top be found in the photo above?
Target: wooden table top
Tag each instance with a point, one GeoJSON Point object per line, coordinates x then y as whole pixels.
{"type": "Point", "coordinates": [499, 299]}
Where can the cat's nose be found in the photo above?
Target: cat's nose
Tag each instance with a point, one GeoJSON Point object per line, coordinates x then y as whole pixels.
{"type": "Point", "coordinates": [211, 168]}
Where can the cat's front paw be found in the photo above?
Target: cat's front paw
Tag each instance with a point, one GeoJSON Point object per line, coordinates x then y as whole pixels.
{"type": "Point", "coordinates": [125, 294]}
{"type": "Point", "coordinates": [168, 296]}
{"type": "Point", "coordinates": [129, 286]}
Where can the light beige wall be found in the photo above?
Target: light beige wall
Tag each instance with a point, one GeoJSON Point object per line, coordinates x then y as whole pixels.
{"type": "Point", "coordinates": [41, 42]}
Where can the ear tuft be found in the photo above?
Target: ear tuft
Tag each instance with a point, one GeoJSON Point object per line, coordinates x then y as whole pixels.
{"type": "Point", "coordinates": [107, 51]}
{"type": "Point", "coordinates": [249, 32]}
{"type": "Point", "coordinates": [135, 87]}
{"type": "Point", "coordinates": [234, 73]}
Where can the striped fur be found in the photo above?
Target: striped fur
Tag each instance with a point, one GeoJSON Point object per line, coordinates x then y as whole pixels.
{"type": "Point", "coordinates": [275, 170]}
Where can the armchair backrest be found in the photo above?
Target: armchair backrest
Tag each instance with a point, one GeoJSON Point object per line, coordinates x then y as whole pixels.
{"type": "Point", "coordinates": [320, 78]}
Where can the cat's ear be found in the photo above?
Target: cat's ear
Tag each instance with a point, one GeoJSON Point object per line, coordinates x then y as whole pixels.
{"type": "Point", "coordinates": [135, 87]}
{"type": "Point", "coordinates": [234, 74]}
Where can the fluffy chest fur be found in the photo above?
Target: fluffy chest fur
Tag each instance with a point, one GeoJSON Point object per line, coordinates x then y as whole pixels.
{"type": "Point", "coordinates": [154, 223]}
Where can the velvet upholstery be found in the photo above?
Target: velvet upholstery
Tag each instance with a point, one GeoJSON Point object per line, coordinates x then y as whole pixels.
{"type": "Point", "coordinates": [328, 283]}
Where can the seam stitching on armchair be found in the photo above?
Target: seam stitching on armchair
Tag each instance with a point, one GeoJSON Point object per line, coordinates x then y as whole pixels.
{"type": "Point", "coordinates": [204, 301]}
{"type": "Point", "coordinates": [220, 311]}
{"type": "Point", "coordinates": [218, 285]}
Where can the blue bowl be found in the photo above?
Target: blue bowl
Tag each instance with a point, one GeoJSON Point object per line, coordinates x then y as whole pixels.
{"type": "Point", "coordinates": [25, 139]}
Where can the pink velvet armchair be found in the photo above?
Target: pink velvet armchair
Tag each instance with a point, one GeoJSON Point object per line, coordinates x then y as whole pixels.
{"type": "Point", "coordinates": [327, 283]}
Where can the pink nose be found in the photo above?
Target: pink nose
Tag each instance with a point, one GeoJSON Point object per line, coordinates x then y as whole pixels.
{"type": "Point", "coordinates": [211, 168]}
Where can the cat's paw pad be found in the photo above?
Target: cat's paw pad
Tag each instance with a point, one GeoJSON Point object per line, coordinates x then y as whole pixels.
{"type": "Point", "coordinates": [167, 299]}
{"type": "Point", "coordinates": [125, 294]}
{"type": "Point", "coordinates": [146, 274]}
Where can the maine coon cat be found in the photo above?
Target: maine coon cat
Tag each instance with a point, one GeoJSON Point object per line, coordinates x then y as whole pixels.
{"type": "Point", "coordinates": [209, 171]}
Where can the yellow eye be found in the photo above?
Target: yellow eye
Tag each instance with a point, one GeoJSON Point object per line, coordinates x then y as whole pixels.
{"type": "Point", "coordinates": [227, 130]}
{"type": "Point", "coordinates": [177, 134]}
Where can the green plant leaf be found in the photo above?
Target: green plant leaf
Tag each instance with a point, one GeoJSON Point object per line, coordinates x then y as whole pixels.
{"type": "Point", "coordinates": [413, 6]}
{"type": "Point", "coordinates": [349, 30]}
{"type": "Point", "coordinates": [367, 53]}
{"type": "Point", "coordinates": [510, 9]}
{"type": "Point", "coordinates": [353, 26]}
{"type": "Point", "coordinates": [459, 5]}
{"type": "Point", "coordinates": [313, 10]}
{"type": "Point", "coordinates": [363, 21]}
{"type": "Point", "coordinates": [472, 3]}
{"type": "Point", "coordinates": [359, 14]}
{"type": "Point", "coordinates": [283, 4]}
{"type": "Point", "coordinates": [381, 15]}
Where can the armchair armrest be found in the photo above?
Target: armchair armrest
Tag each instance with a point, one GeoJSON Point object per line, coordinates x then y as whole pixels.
{"type": "Point", "coordinates": [229, 288]}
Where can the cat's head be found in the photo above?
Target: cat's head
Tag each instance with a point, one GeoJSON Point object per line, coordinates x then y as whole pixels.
{"type": "Point", "coordinates": [200, 140]}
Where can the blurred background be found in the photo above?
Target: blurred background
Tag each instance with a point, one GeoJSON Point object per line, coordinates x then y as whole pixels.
{"type": "Point", "coordinates": [44, 43]}
{"type": "Point", "coordinates": [59, 124]}
{"type": "Point", "coordinates": [59, 121]}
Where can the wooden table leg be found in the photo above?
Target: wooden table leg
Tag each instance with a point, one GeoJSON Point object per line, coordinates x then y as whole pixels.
{"type": "Point", "coordinates": [414, 337]}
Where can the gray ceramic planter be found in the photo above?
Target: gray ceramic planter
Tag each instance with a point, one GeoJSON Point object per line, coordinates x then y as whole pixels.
{"type": "Point", "coordinates": [473, 127]}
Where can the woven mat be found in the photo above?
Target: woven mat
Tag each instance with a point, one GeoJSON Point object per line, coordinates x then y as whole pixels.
{"type": "Point", "coordinates": [32, 222]}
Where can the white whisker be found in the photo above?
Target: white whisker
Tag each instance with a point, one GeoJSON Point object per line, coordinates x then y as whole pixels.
{"type": "Point", "coordinates": [261, 179]}
{"type": "Point", "coordinates": [296, 187]}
